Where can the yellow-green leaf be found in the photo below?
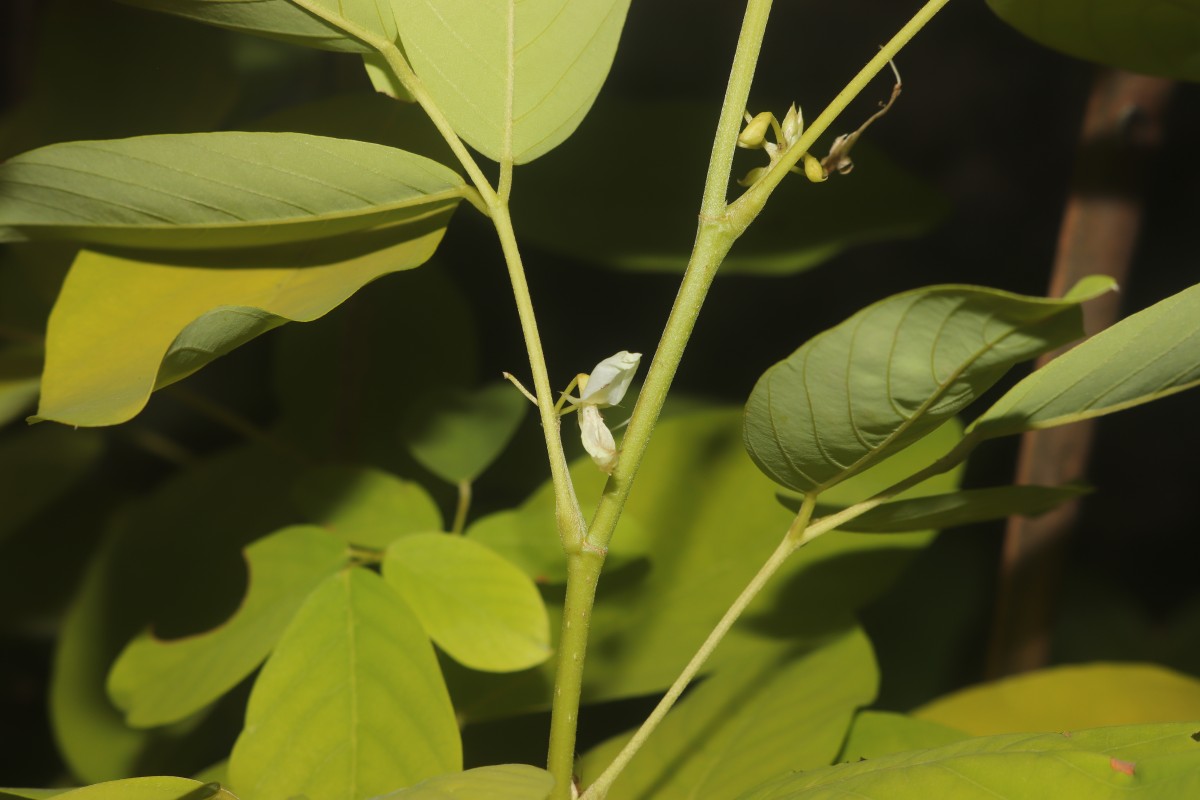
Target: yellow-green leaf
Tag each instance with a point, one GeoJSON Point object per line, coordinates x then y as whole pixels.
{"type": "Point", "coordinates": [501, 782]}
{"type": "Point", "coordinates": [365, 506]}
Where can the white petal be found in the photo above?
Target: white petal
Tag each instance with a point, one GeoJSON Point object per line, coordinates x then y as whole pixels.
{"type": "Point", "coordinates": [597, 438]}
{"type": "Point", "coordinates": [610, 379]}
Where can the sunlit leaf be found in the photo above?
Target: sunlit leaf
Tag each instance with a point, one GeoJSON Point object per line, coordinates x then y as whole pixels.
{"type": "Point", "coordinates": [199, 191]}
{"type": "Point", "coordinates": [1069, 698]}
{"type": "Point", "coordinates": [161, 322]}
{"type": "Point", "coordinates": [514, 79]}
{"type": "Point", "coordinates": [1151, 354]}
{"type": "Point", "coordinates": [1157, 37]}
{"type": "Point", "coordinates": [350, 704]}
{"type": "Point", "coordinates": [1135, 761]}
{"type": "Point", "coordinates": [502, 782]}
{"type": "Point", "coordinates": [156, 682]}
{"type": "Point", "coordinates": [150, 789]}
{"type": "Point", "coordinates": [456, 435]}
{"type": "Point", "coordinates": [881, 733]}
{"type": "Point", "coordinates": [893, 372]}
{"type": "Point", "coordinates": [478, 607]}
{"type": "Point", "coordinates": [742, 727]}
{"type": "Point", "coordinates": [364, 506]}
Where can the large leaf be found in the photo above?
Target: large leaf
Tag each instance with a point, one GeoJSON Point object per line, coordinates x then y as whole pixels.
{"type": "Point", "coordinates": [1069, 698]}
{"type": "Point", "coordinates": [283, 19]}
{"type": "Point", "coordinates": [1151, 354]}
{"type": "Point", "coordinates": [123, 327]}
{"type": "Point", "coordinates": [39, 466]}
{"type": "Point", "coordinates": [217, 190]}
{"type": "Point", "coordinates": [1158, 37]}
{"type": "Point", "coordinates": [1161, 761]}
{"type": "Point", "coordinates": [514, 79]}
{"type": "Point", "coordinates": [502, 782]}
{"type": "Point", "coordinates": [478, 607]}
{"type": "Point", "coordinates": [456, 435]}
{"type": "Point", "coordinates": [364, 506]}
{"type": "Point", "coordinates": [742, 727]}
{"type": "Point", "coordinates": [150, 789]}
{"type": "Point", "coordinates": [893, 372]}
{"type": "Point", "coordinates": [157, 682]}
{"type": "Point", "coordinates": [880, 733]}
{"type": "Point", "coordinates": [639, 167]}
{"type": "Point", "coordinates": [350, 704]}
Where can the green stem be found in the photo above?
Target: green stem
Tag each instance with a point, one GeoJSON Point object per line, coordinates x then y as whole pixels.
{"type": "Point", "coordinates": [600, 787]}
{"type": "Point", "coordinates": [462, 507]}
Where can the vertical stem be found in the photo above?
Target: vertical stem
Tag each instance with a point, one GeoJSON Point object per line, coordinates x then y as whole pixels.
{"type": "Point", "coordinates": [462, 507]}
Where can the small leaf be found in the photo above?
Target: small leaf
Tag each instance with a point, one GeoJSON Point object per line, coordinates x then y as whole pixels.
{"type": "Point", "coordinates": [940, 511]}
{"type": "Point", "coordinates": [157, 682]}
{"type": "Point", "coordinates": [1157, 37]}
{"type": "Point", "coordinates": [1151, 354]}
{"type": "Point", "coordinates": [894, 372]}
{"type": "Point", "coordinates": [162, 322]}
{"type": "Point", "coordinates": [200, 191]}
{"type": "Point", "coordinates": [350, 704]}
{"type": "Point", "coordinates": [478, 607]}
{"type": "Point", "coordinates": [547, 59]}
{"type": "Point", "coordinates": [456, 435]}
{"type": "Point", "coordinates": [365, 506]}
{"type": "Point", "coordinates": [501, 782]}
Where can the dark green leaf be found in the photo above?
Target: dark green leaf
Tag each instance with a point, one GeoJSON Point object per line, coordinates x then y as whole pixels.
{"type": "Point", "coordinates": [456, 435]}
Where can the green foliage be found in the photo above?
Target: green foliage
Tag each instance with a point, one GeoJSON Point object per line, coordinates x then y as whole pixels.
{"type": "Point", "coordinates": [456, 435]}
{"type": "Point", "coordinates": [503, 782]}
{"type": "Point", "coordinates": [366, 507]}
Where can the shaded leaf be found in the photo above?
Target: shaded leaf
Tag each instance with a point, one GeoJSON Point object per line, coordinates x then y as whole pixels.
{"type": "Point", "coordinates": [1151, 354]}
{"type": "Point", "coordinates": [966, 507]}
{"type": "Point", "coordinates": [1164, 760]}
{"type": "Point", "coordinates": [881, 733]}
{"type": "Point", "coordinates": [365, 506]}
{"type": "Point", "coordinates": [742, 727]}
{"type": "Point", "coordinates": [162, 322]}
{"type": "Point", "coordinates": [200, 191]}
{"type": "Point", "coordinates": [478, 607]}
{"type": "Point", "coordinates": [20, 374]}
{"type": "Point", "coordinates": [550, 58]}
{"type": "Point", "coordinates": [150, 789]}
{"type": "Point", "coordinates": [640, 167]}
{"type": "Point", "coordinates": [156, 682]}
{"type": "Point", "coordinates": [1070, 698]}
{"type": "Point", "coordinates": [456, 435]}
{"type": "Point", "coordinates": [892, 373]}
{"type": "Point", "coordinates": [1157, 37]}
{"type": "Point", "coordinates": [502, 782]}
{"type": "Point", "coordinates": [30, 794]}
{"type": "Point", "coordinates": [39, 466]}
{"type": "Point", "coordinates": [350, 704]}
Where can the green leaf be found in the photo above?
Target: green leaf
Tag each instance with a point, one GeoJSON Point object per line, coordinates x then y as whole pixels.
{"type": "Point", "coordinates": [478, 607]}
{"type": "Point", "coordinates": [20, 373]}
{"type": "Point", "coordinates": [892, 373]}
{"type": "Point", "coordinates": [156, 682]}
{"type": "Point", "coordinates": [1091, 765]}
{"type": "Point", "coordinates": [30, 794]}
{"type": "Point", "coordinates": [1157, 37]}
{"type": "Point", "coordinates": [150, 789]}
{"type": "Point", "coordinates": [744, 726]}
{"type": "Point", "coordinates": [514, 79]}
{"type": "Point", "coordinates": [365, 506]}
{"type": "Point", "coordinates": [1151, 354]}
{"type": "Point", "coordinates": [350, 704]}
{"type": "Point", "coordinates": [639, 167]}
{"type": "Point", "coordinates": [456, 435]}
{"type": "Point", "coordinates": [162, 322]}
{"type": "Point", "coordinates": [39, 466]}
{"type": "Point", "coordinates": [881, 733]}
{"type": "Point", "coordinates": [502, 782]}
{"type": "Point", "coordinates": [940, 511]}
{"type": "Point", "coordinates": [201, 191]}
{"type": "Point", "coordinates": [1070, 698]}
{"type": "Point", "coordinates": [286, 20]}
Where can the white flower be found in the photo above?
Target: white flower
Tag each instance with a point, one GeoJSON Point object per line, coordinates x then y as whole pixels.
{"type": "Point", "coordinates": [605, 387]}
{"type": "Point", "coordinates": [597, 438]}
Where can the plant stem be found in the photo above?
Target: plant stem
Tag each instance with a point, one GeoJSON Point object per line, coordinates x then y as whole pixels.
{"type": "Point", "coordinates": [600, 787]}
{"type": "Point", "coordinates": [462, 507]}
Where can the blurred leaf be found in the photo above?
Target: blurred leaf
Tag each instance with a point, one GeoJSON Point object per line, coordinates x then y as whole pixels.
{"type": "Point", "coordinates": [150, 789]}
{"type": "Point", "coordinates": [882, 733]}
{"type": "Point", "coordinates": [951, 510]}
{"type": "Point", "coordinates": [20, 374]}
{"type": "Point", "coordinates": [37, 466]}
{"type": "Point", "coordinates": [742, 727]}
{"type": "Point", "coordinates": [1069, 698]}
{"type": "Point", "coordinates": [514, 79]}
{"type": "Point", "coordinates": [201, 191]}
{"type": "Point", "coordinates": [161, 322]}
{"type": "Point", "coordinates": [351, 702]}
{"type": "Point", "coordinates": [157, 682]}
{"type": "Point", "coordinates": [478, 607]}
{"type": "Point", "coordinates": [502, 782]}
{"type": "Point", "coordinates": [364, 506]}
{"type": "Point", "coordinates": [1157, 37]}
{"type": "Point", "coordinates": [639, 166]}
{"type": "Point", "coordinates": [1164, 760]}
{"type": "Point", "coordinates": [457, 434]}
{"type": "Point", "coordinates": [893, 372]}
{"type": "Point", "coordinates": [1151, 354]}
